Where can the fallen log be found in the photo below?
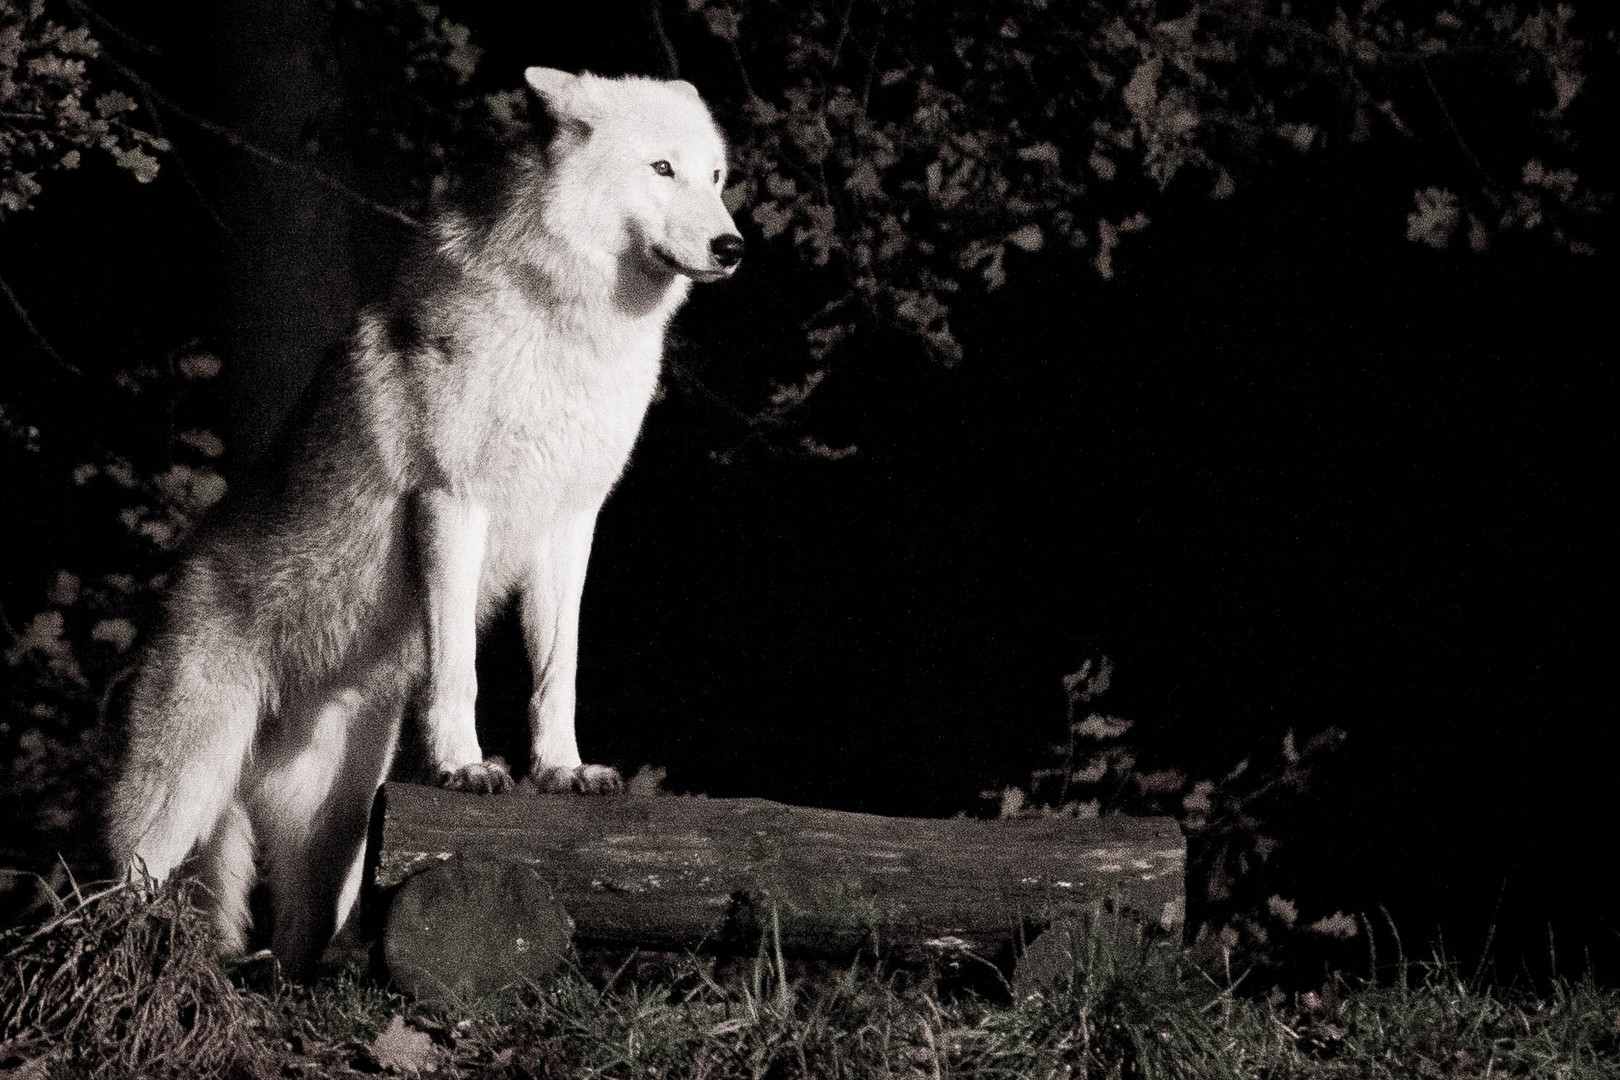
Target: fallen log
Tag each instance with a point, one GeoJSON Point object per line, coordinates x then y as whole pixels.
{"type": "Point", "coordinates": [683, 873]}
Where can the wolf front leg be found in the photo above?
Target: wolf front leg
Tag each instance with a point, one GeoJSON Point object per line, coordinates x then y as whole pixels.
{"type": "Point", "coordinates": [451, 531]}
{"type": "Point", "coordinates": [551, 626]}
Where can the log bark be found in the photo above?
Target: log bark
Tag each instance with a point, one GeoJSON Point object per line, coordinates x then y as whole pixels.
{"type": "Point", "coordinates": [683, 873]}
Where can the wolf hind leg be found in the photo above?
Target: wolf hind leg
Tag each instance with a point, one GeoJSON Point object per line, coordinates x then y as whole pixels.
{"type": "Point", "coordinates": [313, 805]}
{"type": "Point", "coordinates": [193, 718]}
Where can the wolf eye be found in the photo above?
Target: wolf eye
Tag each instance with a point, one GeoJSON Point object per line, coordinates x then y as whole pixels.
{"type": "Point", "coordinates": [717, 176]}
{"type": "Point", "coordinates": [663, 168]}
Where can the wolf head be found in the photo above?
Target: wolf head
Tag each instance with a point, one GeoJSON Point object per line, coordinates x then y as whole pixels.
{"type": "Point", "coordinates": [636, 168]}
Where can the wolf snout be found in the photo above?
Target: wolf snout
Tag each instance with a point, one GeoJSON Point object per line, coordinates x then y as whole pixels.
{"type": "Point", "coordinates": [727, 250]}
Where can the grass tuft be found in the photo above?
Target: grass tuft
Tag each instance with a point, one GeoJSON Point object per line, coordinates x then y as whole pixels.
{"type": "Point", "coordinates": [1124, 1006]}
{"type": "Point", "coordinates": [118, 983]}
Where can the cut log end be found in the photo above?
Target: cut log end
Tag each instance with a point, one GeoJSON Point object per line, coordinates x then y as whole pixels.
{"type": "Point", "coordinates": [472, 925]}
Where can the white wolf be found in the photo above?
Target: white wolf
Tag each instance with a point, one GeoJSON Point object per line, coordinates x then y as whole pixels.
{"type": "Point", "coordinates": [457, 453]}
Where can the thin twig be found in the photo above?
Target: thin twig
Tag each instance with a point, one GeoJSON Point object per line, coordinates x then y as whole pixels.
{"type": "Point", "coordinates": [843, 32]}
{"type": "Point", "coordinates": [742, 70]}
{"type": "Point", "coordinates": [40, 339]}
{"type": "Point", "coordinates": [672, 63]}
{"type": "Point", "coordinates": [683, 377]}
{"type": "Point", "coordinates": [90, 14]}
{"type": "Point", "coordinates": [6, 627]}
{"type": "Point", "coordinates": [1456, 132]}
{"type": "Point", "coordinates": [180, 163]}
{"type": "Point", "coordinates": [687, 379]}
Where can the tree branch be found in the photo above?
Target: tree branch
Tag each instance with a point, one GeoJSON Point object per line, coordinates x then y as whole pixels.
{"type": "Point", "coordinates": [91, 15]}
{"type": "Point", "coordinates": [40, 339]}
{"type": "Point", "coordinates": [269, 157]}
{"type": "Point", "coordinates": [755, 425]}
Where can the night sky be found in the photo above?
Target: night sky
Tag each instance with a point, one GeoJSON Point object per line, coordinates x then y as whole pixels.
{"type": "Point", "coordinates": [1287, 469]}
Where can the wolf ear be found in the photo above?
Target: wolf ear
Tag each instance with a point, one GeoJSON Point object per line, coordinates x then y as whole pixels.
{"type": "Point", "coordinates": [551, 84]}
{"type": "Point", "coordinates": [559, 95]}
{"type": "Point", "coordinates": [684, 87]}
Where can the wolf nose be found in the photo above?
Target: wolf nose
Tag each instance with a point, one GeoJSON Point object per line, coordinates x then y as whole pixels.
{"type": "Point", "coordinates": [727, 249]}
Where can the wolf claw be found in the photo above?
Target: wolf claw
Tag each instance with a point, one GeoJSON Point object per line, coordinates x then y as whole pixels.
{"type": "Point", "coordinates": [583, 779]}
{"type": "Point", "coordinates": [487, 777]}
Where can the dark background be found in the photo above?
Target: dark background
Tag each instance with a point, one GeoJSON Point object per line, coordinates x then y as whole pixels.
{"type": "Point", "coordinates": [1288, 469]}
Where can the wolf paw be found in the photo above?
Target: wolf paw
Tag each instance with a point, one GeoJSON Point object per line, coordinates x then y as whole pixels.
{"type": "Point", "coordinates": [584, 779]}
{"type": "Point", "coordinates": [487, 777]}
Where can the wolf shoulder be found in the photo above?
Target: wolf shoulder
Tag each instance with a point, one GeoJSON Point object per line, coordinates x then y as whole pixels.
{"type": "Point", "coordinates": [440, 390]}
{"type": "Point", "coordinates": [487, 391]}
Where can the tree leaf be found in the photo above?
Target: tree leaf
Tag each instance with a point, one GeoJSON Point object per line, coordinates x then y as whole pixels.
{"type": "Point", "coordinates": [139, 162]}
{"type": "Point", "coordinates": [405, 1050]}
{"type": "Point", "coordinates": [114, 103]}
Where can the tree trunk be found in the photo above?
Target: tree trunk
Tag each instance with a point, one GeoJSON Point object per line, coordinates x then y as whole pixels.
{"type": "Point", "coordinates": [287, 286]}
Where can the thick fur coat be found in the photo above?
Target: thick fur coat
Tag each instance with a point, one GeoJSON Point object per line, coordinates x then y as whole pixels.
{"type": "Point", "coordinates": [455, 453]}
